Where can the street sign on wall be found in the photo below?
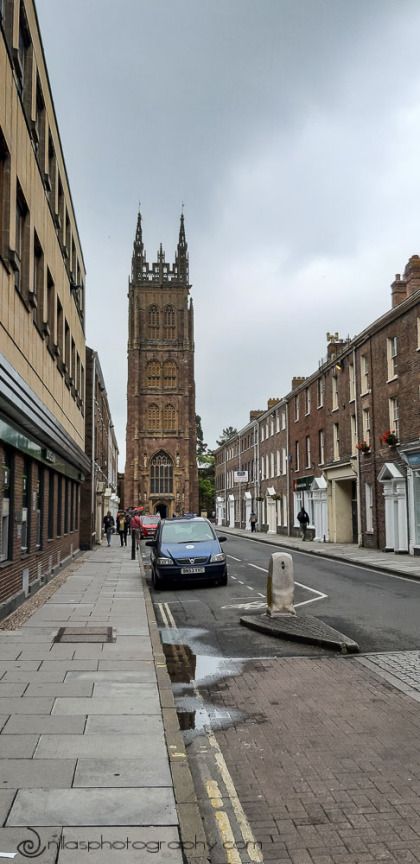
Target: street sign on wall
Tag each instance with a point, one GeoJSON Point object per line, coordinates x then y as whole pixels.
{"type": "Point", "coordinates": [240, 476]}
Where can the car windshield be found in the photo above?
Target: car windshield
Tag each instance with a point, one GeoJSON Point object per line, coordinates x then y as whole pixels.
{"type": "Point", "coordinates": [184, 532]}
{"type": "Point", "coordinates": [149, 520]}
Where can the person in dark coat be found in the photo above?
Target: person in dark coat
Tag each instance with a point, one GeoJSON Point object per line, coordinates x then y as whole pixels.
{"type": "Point", "coordinates": [303, 520]}
{"type": "Point", "coordinates": [108, 526]}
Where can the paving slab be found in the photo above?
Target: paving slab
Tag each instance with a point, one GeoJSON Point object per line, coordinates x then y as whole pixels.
{"type": "Point", "coordinates": [18, 746]}
{"type": "Point", "coordinates": [40, 844]}
{"type": "Point", "coordinates": [9, 652]}
{"type": "Point", "coordinates": [54, 688]}
{"type": "Point", "coordinates": [142, 676]}
{"type": "Point", "coordinates": [6, 799]}
{"type": "Point", "coordinates": [125, 664]}
{"type": "Point", "coordinates": [3, 720]}
{"type": "Point", "coordinates": [34, 773]}
{"type": "Point", "coordinates": [151, 771]}
{"type": "Point", "coordinates": [99, 845]}
{"type": "Point", "coordinates": [25, 706]}
{"type": "Point", "coordinates": [10, 688]}
{"type": "Point", "coordinates": [123, 689]}
{"type": "Point", "coordinates": [79, 665]}
{"type": "Point", "coordinates": [23, 724]}
{"type": "Point", "coordinates": [8, 665]}
{"type": "Point", "coordinates": [59, 806]}
{"type": "Point", "coordinates": [135, 724]}
{"type": "Point", "coordinates": [30, 675]}
{"type": "Point", "coordinates": [99, 745]}
{"type": "Point", "coordinates": [125, 705]}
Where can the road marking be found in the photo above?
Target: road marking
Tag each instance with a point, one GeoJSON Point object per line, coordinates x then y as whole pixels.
{"type": "Point", "coordinates": [233, 558]}
{"type": "Point", "coordinates": [213, 792]}
{"type": "Point", "coordinates": [240, 582]}
{"type": "Point", "coordinates": [8, 854]}
{"type": "Point", "coordinates": [252, 604]}
{"type": "Point", "coordinates": [227, 838]}
{"type": "Point", "coordinates": [162, 614]}
{"type": "Point", "coordinates": [257, 567]}
{"type": "Point", "coordinates": [250, 588]}
{"type": "Point", "coordinates": [321, 595]}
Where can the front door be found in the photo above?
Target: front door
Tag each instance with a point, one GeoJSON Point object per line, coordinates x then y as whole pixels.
{"type": "Point", "coordinates": [354, 525]}
{"type": "Point", "coordinates": [162, 509]}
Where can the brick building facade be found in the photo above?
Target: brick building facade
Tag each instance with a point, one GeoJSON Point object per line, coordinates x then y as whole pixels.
{"type": "Point", "coordinates": [99, 492]}
{"type": "Point", "coordinates": [42, 341]}
{"type": "Point", "coordinates": [350, 447]}
{"type": "Point", "coordinates": [161, 462]}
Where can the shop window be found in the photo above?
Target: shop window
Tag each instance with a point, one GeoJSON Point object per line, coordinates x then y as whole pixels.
{"type": "Point", "coordinates": [38, 501]}
{"type": "Point", "coordinates": [59, 504]}
{"type": "Point", "coordinates": [51, 505]}
{"type": "Point", "coordinates": [25, 510]}
{"type": "Point", "coordinates": [66, 506]}
{"type": "Point", "coordinates": [5, 539]}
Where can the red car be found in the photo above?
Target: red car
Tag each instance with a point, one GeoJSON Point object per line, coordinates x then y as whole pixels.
{"type": "Point", "coordinates": [148, 525]}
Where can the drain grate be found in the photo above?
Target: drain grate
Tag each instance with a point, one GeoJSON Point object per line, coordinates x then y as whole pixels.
{"type": "Point", "coordinates": [84, 634]}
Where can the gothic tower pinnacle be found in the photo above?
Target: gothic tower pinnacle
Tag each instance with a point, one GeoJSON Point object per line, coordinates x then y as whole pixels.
{"type": "Point", "coordinates": [181, 255]}
{"type": "Point", "coordinates": [139, 252]}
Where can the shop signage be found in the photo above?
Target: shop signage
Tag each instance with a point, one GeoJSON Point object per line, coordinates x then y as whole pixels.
{"type": "Point", "coordinates": [304, 483]}
{"type": "Point", "coordinates": [240, 476]}
{"type": "Point", "coordinates": [48, 455]}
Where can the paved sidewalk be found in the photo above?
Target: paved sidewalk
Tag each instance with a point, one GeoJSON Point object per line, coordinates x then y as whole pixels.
{"type": "Point", "coordinates": [82, 747]}
{"type": "Point", "coordinates": [402, 565]}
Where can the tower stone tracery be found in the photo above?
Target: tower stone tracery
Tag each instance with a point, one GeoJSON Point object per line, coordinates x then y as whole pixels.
{"type": "Point", "coordinates": [161, 463]}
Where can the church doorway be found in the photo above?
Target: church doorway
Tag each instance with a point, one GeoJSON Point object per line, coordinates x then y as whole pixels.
{"type": "Point", "coordinates": [162, 509]}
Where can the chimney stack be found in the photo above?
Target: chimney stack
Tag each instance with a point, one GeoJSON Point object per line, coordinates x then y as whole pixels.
{"type": "Point", "coordinates": [297, 381]}
{"type": "Point", "coordinates": [412, 275]}
{"type": "Point", "coordinates": [272, 402]}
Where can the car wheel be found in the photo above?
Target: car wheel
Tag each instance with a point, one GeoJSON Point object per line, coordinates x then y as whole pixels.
{"type": "Point", "coordinates": [156, 582]}
{"type": "Point", "coordinates": [224, 579]}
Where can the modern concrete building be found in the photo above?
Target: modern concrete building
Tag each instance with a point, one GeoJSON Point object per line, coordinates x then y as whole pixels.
{"type": "Point", "coordinates": [161, 462]}
{"type": "Point", "coordinates": [42, 305]}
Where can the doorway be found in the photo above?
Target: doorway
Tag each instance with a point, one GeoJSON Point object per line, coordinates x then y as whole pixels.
{"type": "Point", "coordinates": [162, 509]}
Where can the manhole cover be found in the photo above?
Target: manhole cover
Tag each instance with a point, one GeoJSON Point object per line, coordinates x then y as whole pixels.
{"type": "Point", "coordinates": [84, 634]}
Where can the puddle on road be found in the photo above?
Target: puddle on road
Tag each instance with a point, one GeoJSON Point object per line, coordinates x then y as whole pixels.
{"type": "Point", "coordinates": [204, 672]}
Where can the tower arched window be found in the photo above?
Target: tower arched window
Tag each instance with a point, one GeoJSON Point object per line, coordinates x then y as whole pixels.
{"type": "Point", "coordinates": [169, 418]}
{"type": "Point", "coordinates": [153, 418]}
{"type": "Point", "coordinates": [169, 323]}
{"type": "Point", "coordinates": [161, 474]}
{"type": "Point", "coordinates": [169, 375]}
{"type": "Point", "coordinates": [153, 322]}
{"type": "Point", "coordinates": [153, 374]}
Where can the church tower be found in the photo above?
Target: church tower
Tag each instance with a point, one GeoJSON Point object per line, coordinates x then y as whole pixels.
{"type": "Point", "coordinates": [161, 462]}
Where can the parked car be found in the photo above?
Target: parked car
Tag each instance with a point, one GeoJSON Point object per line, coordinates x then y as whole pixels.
{"type": "Point", "coordinates": [149, 525]}
{"type": "Point", "coordinates": [187, 549]}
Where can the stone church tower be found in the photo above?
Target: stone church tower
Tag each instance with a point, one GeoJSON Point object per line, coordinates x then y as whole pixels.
{"type": "Point", "coordinates": [161, 463]}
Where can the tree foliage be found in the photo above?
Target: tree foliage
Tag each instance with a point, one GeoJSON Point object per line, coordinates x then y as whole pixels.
{"type": "Point", "coordinates": [201, 445]}
{"type": "Point", "coordinates": [227, 433]}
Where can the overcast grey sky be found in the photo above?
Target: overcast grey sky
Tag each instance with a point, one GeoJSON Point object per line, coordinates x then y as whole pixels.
{"type": "Point", "coordinates": [290, 129]}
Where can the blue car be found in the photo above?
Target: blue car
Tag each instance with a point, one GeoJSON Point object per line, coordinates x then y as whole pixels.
{"type": "Point", "coordinates": [187, 549]}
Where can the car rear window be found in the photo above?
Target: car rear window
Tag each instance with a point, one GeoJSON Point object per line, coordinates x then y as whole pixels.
{"type": "Point", "coordinates": [183, 532]}
{"type": "Point", "coordinates": [149, 520]}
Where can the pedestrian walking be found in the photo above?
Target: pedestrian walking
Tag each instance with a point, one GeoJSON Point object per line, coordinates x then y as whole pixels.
{"type": "Point", "coordinates": [121, 528]}
{"type": "Point", "coordinates": [135, 527]}
{"type": "Point", "coordinates": [109, 523]}
{"type": "Point", "coordinates": [253, 521]}
{"type": "Point", "coordinates": [303, 520]}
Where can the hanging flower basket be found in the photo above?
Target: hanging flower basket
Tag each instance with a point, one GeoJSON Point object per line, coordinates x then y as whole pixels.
{"type": "Point", "coordinates": [389, 438]}
{"type": "Point", "coordinates": [363, 446]}
{"type": "Point", "coordinates": [259, 498]}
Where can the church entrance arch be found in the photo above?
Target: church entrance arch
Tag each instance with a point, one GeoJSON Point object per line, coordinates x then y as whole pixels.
{"type": "Point", "coordinates": [162, 509]}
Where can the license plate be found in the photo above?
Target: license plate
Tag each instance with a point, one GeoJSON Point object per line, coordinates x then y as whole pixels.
{"type": "Point", "coordinates": [185, 571]}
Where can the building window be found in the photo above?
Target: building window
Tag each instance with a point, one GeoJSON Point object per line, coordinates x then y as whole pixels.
{"type": "Point", "coordinates": [26, 497]}
{"type": "Point", "coordinates": [352, 382]}
{"type": "Point", "coordinates": [60, 331]}
{"type": "Point", "coordinates": [353, 432]}
{"type": "Point", "coordinates": [67, 358]}
{"type": "Point", "coordinates": [38, 285]}
{"type": "Point", "coordinates": [153, 374]}
{"type": "Point", "coordinates": [391, 355]}
{"type": "Point", "coordinates": [308, 451]}
{"type": "Point", "coordinates": [277, 421]}
{"type": "Point", "coordinates": [297, 459]}
{"type": "Point", "coordinates": [169, 323]}
{"type": "Point", "coordinates": [296, 408]}
{"type": "Point", "coordinates": [285, 511]}
{"type": "Point", "coordinates": [271, 464]}
{"type": "Point", "coordinates": [283, 420]}
{"type": "Point", "coordinates": [418, 333]}
{"type": "Point", "coordinates": [50, 177]}
{"type": "Point", "coordinates": [21, 259]}
{"type": "Point", "coordinates": [308, 400]}
{"type": "Point", "coordinates": [51, 506]}
{"type": "Point", "coordinates": [169, 375]}
{"type": "Point", "coordinates": [278, 457]}
{"type": "Point", "coordinates": [38, 128]}
{"type": "Point", "coordinates": [153, 322]}
{"type": "Point", "coordinates": [66, 505]}
{"type": "Point", "coordinates": [321, 446]}
{"type": "Point", "coordinates": [161, 474]}
{"type": "Point", "coordinates": [394, 416]}
{"type": "Point", "coordinates": [283, 461]}
{"type": "Point", "coordinates": [153, 418]}
{"type": "Point", "coordinates": [320, 390]}
{"type": "Point", "coordinates": [366, 425]}
{"type": "Point", "coordinates": [369, 507]}
{"type": "Point", "coordinates": [22, 60]}
{"type": "Point", "coordinates": [169, 418]}
{"type": "Point", "coordinates": [4, 196]}
{"type": "Point", "coordinates": [336, 441]}
{"type": "Point", "coordinates": [334, 382]}
{"type": "Point", "coordinates": [364, 374]}
{"type": "Point", "coordinates": [5, 544]}
{"type": "Point", "coordinates": [262, 468]}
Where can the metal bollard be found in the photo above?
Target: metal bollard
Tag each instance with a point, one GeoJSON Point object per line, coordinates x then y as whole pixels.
{"type": "Point", "coordinates": [133, 544]}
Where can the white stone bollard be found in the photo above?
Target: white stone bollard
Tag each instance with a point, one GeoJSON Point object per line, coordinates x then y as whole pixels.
{"type": "Point", "coordinates": [280, 585]}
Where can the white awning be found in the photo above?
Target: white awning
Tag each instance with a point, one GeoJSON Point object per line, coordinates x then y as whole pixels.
{"type": "Point", "coordinates": [318, 483]}
{"type": "Point", "coordinates": [390, 471]}
{"type": "Point", "coordinates": [271, 491]}
{"type": "Point", "coordinates": [247, 496]}
{"type": "Point", "coordinates": [231, 497]}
